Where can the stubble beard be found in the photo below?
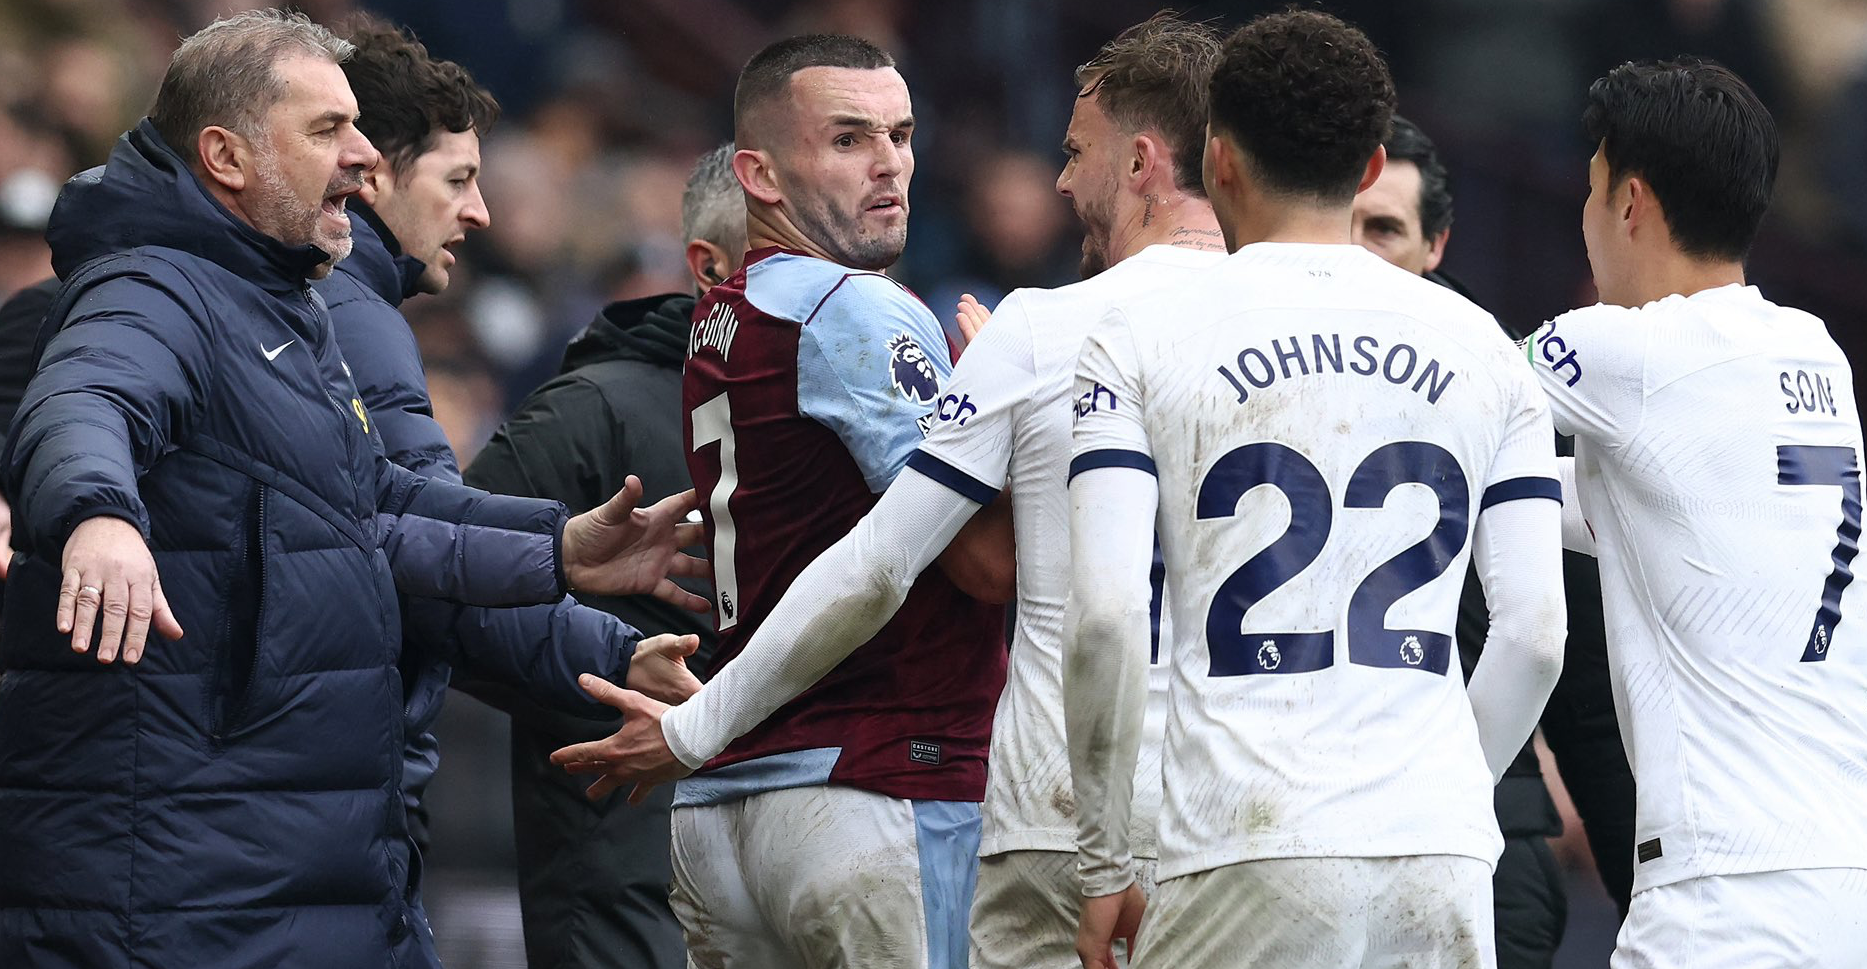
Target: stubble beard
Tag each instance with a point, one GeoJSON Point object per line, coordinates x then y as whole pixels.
{"type": "Point", "coordinates": [845, 239]}
{"type": "Point", "coordinates": [280, 214]}
{"type": "Point", "coordinates": [1096, 220]}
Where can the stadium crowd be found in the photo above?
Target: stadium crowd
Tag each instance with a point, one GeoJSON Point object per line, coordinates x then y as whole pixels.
{"type": "Point", "coordinates": [603, 119]}
{"type": "Point", "coordinates": [593, 201]}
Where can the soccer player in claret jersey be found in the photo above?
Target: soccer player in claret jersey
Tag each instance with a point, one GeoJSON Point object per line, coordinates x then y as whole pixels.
{"type": "Point", "coordinates": [1717, 478]}
{"type": "Point", "coordinates": [1132, 170]}
{"type": "Point", "coordinates": [844, 830]}
{"type": "Point", "coordinates": [1315, 433]}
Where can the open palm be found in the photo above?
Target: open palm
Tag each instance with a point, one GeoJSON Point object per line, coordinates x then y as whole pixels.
{"type": "Point", "coordinates": [618, 549]}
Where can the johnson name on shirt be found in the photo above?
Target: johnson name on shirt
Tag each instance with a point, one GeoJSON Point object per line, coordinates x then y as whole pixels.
{"type": "Point", "coordinates": [1399, 364]}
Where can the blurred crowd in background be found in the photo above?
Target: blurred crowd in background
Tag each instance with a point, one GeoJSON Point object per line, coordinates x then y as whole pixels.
{"type": "Point", "coordinates": [609, 102]}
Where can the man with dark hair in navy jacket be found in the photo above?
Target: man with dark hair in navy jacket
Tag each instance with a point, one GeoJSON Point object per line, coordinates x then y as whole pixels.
{"type": "Point", "coordinates": [193, 455]}
{"type": "Point", "coordinates": [425, 116]}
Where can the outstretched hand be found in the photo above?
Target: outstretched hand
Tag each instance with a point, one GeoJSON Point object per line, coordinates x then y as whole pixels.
{"type": "Point", "coordinates": [109, 572]}
{"type": "Point", "coordinates": [659, 667]}
{"type": "Point", "coordinates": [636, 754]}
{"type": "Point", "coordinates": [618, 549]}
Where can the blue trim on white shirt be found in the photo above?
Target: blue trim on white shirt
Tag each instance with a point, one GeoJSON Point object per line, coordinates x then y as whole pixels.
{"type": "Point", "coordinates": [1111, 458]}
{"type": "Point", "coordinates": [967, 486]}
{"type": "Point", "coordinates": [1515, 488]}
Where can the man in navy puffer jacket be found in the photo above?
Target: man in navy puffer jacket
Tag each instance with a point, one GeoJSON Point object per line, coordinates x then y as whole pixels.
{"type": "Point", "coordinates": [234, 798]}
{"type": "Point", "coordinates": [426, 117]}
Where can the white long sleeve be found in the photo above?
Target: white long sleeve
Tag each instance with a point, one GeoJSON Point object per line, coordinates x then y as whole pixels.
{"type": "Point", "coordinates": [1519, 559]}
{"type": "Point", "coordinates": [836, 604]}
{"type": "Point", "coordinates": [1577, 534]}
{"type": "Point", "coordinates": [1105, 655]}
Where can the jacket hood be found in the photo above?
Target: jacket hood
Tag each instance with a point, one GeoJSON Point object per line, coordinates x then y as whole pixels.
{"type": "Point", "coordinates": [653, 329]}
{"type": "Point", "coordinates": [146, 196]}
{"type": "Point", "coordinates": [376, 258]}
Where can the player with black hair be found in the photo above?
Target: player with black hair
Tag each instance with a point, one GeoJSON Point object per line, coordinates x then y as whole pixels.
{"type": "Point", "coordinates": [1717, 479]}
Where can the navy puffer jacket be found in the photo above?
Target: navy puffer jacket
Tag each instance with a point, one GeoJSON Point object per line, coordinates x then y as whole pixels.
{"type": "Point", "coordinates": [233, 800]}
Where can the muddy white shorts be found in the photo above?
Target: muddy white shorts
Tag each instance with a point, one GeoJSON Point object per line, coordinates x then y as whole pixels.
{"type": "Point", "coordinates": [821, 877]}
{"type": "Point", "coordinates": [1416, 912]}
{"type": "Point", "coordinates": [1024, 915]}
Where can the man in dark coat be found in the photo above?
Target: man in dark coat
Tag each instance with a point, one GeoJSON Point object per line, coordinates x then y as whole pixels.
{"type": "Point", "coordinates": [19, 329]}
{"type": "Point", "coordinates": [425, 116]}
{"type": "Point", "coordinates": [193, 455]}
{"type": "Point", "coordinates": [594, 875]}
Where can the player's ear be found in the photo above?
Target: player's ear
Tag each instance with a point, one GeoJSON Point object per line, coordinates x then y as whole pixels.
{"type": "Point", "coordinates": [1637, 204]}
{"type": "Point", "coordinates": [1215, 169]}
{"type": "Point", "coordinates": [1370, 174]}
{"type": "Point", "coordinates": [1143, 157]}
{"type": "Point", "coordinates": [756, 175]}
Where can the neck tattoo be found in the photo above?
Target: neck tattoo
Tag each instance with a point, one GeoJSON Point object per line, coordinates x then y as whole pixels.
{"type": "Point", "coordinates": [1209, 239]}
{"type": "Point", "coordinates": [1147, 214]}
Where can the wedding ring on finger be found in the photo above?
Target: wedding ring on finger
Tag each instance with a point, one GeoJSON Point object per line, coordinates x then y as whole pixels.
{"type": "Point", "coordinates": [93, 590]}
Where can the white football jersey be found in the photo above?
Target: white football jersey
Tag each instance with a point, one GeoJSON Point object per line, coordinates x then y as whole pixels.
{"type": "Point", "coordinates": [1005, 420]}
{"type": "Point", "coordinates": [1718, 465]}
{"type": "Point", "coordinates": [1325, 429]}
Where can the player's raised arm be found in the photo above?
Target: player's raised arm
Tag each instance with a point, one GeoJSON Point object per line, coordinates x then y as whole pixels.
{"type": "Point", "coordinates": [836, 604]}
{"type": "Point", "coordinates": [1518, 551]}
{"type": "Point", "coordinates": [1113, 497]}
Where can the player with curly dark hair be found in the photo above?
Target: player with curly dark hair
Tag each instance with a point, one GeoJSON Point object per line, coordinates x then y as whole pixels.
{"type": "Point", "coordinates": [1306, 99]}
{"type": "Point", "coordinates": [1320, 442]}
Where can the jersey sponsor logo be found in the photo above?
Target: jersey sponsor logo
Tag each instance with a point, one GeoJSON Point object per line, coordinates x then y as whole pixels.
{"type": "Point", "coordinates": [909, 370]}
{"type": "Point", "coordinates": [1400, 364]}
{"type": "Point", "coordinates": [715, 332]}
{"type": "Point", "coordinates": [1091, 402]}
{"type": "Point", "coordinates": [924, 752]}
{"type": "Point", "coordinates": [1810, 393]}
{"type": "Point", "coordinates": [956, 408]}
{"type": "Point", "coordinates": [1546, 344]}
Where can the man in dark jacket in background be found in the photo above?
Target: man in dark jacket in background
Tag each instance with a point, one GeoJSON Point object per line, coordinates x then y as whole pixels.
{"type": "Point", "coordinates": [192, 439]}
{"type": "Point", "coordinates": [594, 875]}
{"type": "Point", "coordinates": [1406, 218]}
{"type": "Point", "coordinates": [20, 316]}
{"type": "Point", "coordinates": [425, 117]}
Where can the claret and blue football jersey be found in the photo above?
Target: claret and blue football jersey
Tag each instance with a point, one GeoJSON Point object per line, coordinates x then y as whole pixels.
{"type": "Point", "coordinates": [808, 385]}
